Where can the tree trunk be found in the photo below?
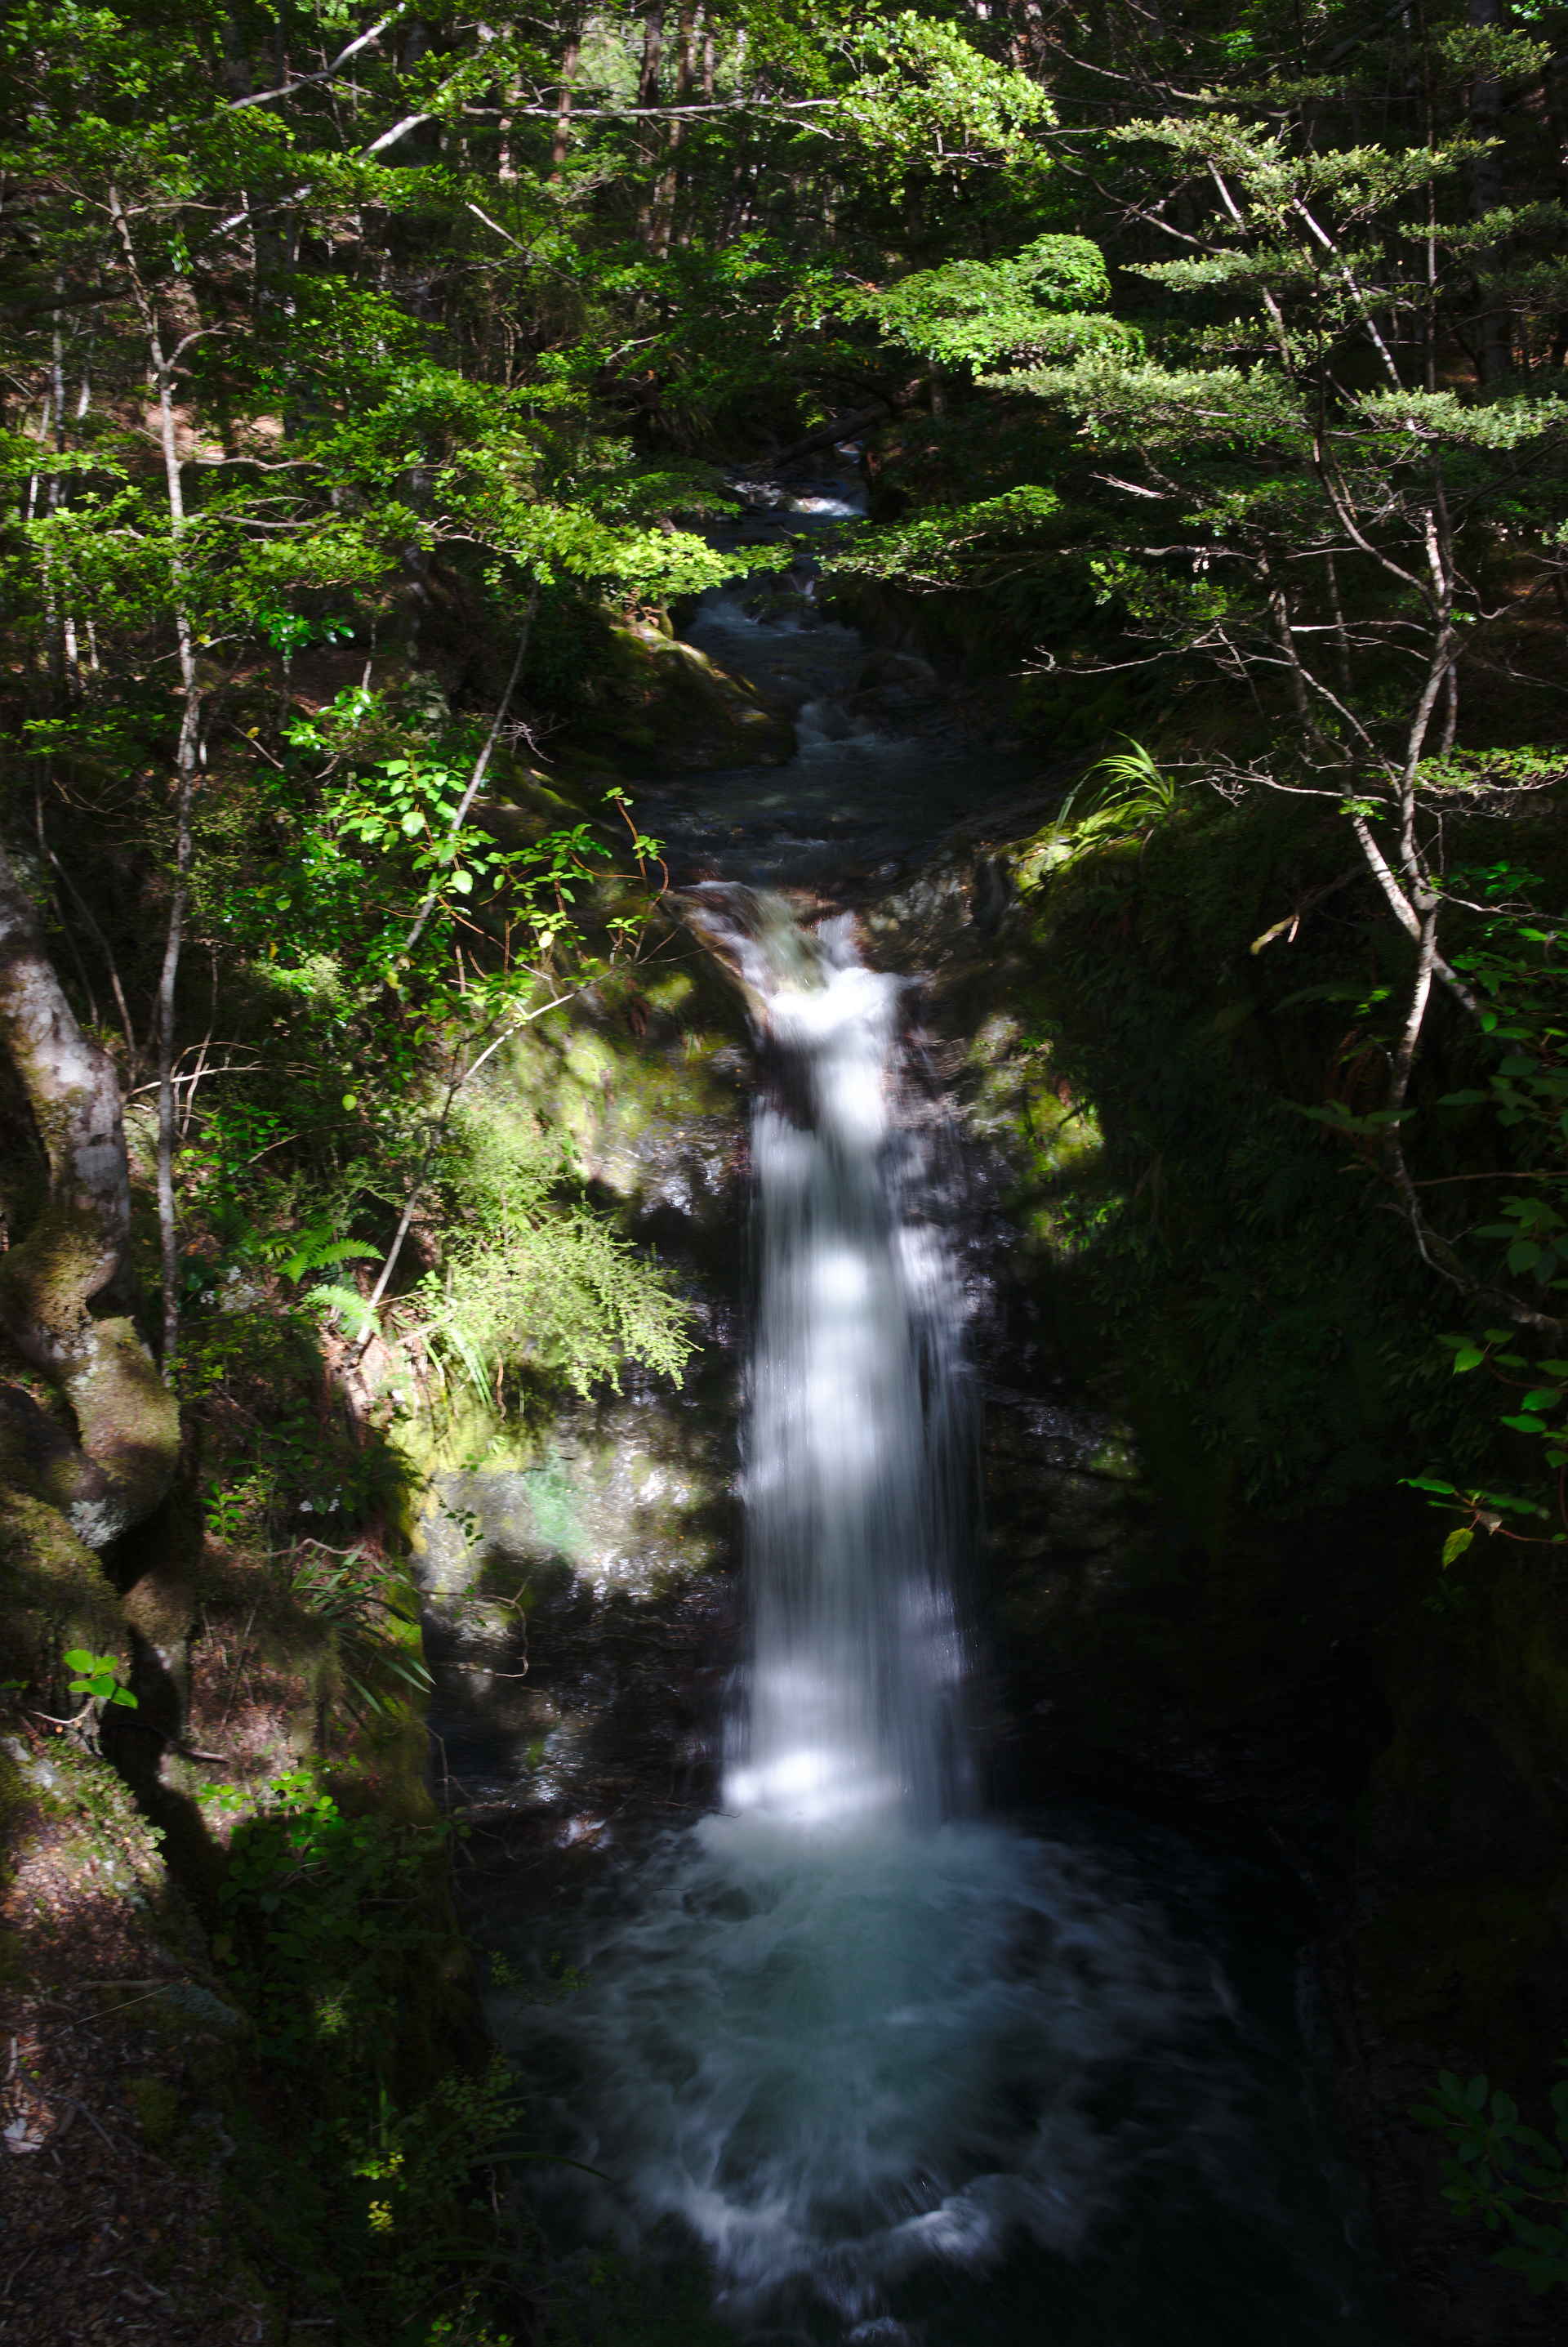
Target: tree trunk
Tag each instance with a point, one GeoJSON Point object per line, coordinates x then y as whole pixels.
{"type": "Point", "coordinates": [187, 754]}
{"type": "Point", "coordinates": [558, 144]}
{"type": "Point", "coordinates": [127, 1421]}
{"type": "Point", "coordinates": [647, 94]}
{"type": "Point", "coordinates": [1488, 190]}
{"type": "Point", "coordinates": [664, 203]}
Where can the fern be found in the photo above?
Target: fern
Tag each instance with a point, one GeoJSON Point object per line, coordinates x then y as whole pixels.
{"type": "Point", "coordinates": [1134, 785]}
{"type": "Point", "coordinates": [355, 1313]}
{"type": "Point", "coordinates": [317, 1250]}
{"type": "Point", "coordinates": [451, 1328]}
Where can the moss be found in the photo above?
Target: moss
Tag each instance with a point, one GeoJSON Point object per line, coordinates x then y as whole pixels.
{"type": "Point", "coordinates": [1248, 1278]}
{"type": "Point", "coordinates": [659, 705]}
{"type": "Point", "coordinates": [130, 1419]}
{"type": "Point", "coordinates": [47, 1278]}
{"type": "Point", "coordinates": [54, 1589]}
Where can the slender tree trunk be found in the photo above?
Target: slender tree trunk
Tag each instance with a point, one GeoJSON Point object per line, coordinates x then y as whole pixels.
{"type": "Point", "coordinates": [58, 496]}
{"type": "Point", "coordinates": [647, 94]}
{"type": "Point", "coordinates": [562, 139]}
{"type": "Point", "coordinates": [1488, 190]}
{"type": "Point", "coordinates": [167, 1227]}
{"type": "Point", "coordinates": [663, 208]}
{"type": "Point", "coordinates": [236, 57]}
{"type": "Point", "coordinates": [459, 813]}
{"type": "Point", "coordinates": [505, 164]}
{"type": "Point", "coordinates": [1341, 636]}
{"type": "Point", "coordinates": [187, 765]}
{"type": "Point", "coordinates": [1301, 685]}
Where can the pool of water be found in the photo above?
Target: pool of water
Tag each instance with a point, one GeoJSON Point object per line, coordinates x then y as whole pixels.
{"type": "Point", "coordinates": [1045, 2078]}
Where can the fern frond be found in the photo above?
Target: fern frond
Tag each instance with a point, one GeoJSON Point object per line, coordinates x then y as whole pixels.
{"type": "Point", "coordinates": [317, 1249]}
{"type": "Point", "coordinates": [356, 1313]}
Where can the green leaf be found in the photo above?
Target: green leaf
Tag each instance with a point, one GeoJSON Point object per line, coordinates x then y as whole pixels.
{"type": "Point", "coordinates": [1526, 1424]}
{"type": "Point", "coordinates": [1456, 1543]}
{"type": "Point", "coordinates": [345, 1301]}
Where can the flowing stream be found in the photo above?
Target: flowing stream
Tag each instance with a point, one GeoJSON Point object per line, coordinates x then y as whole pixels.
{"type": "Point", "coordinates": [903, 2072]}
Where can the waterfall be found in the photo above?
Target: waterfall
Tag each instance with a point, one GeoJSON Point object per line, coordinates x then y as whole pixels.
{"type": "Point", "coordinates": [859, 1477]}
{"type": "Point", "coordinates": [904, 2076]}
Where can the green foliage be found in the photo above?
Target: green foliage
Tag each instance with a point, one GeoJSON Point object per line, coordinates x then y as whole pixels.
{"type": "Point", "coordinates": [1134, 798]}
{"type": "Point", "coordinates": [381, 2180]}
{"type": "Point", "coordinates": [1514, 965]}
{"type": "Point", "coordinates": [386, 838]}
{"type": "Point", "coordinates": [374, 1622]}
{"type": "Point", "coordinates": [1045, 300]}
{"type": "Point", "coordinates": [320, 1909]}
{"type": "Point", "coordinates": [972, 545]}
{"type": "Point", "coordinates": [274, 1453]}
{"type": "Point", "coordinates": [536, 1280]}
{"type": "Point", "coordinates": [1510, 2176]}
{"type": "Point", "coordinates": [938, 92]}
{"type": "Point", "coordinates": [99, 1678]}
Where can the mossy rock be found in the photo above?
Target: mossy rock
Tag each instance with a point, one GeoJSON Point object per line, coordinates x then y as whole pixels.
{"type": "Point", "coordinates": [657, 706]}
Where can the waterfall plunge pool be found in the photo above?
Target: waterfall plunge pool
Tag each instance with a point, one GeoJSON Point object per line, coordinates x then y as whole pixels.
{"type": "Point", "coordinates": [1000, 2082]}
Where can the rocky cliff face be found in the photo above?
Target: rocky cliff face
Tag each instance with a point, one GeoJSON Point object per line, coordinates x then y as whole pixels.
{"type": "Point", "coordinates": [1295, 1665]}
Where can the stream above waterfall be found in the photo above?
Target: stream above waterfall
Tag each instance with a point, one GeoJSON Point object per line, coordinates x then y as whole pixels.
{"type": "Point", "coordinates": [899, 2070]}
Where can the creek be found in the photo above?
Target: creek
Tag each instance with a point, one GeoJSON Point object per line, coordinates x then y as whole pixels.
{"type": "Point", "coordinates": [905, 2060]}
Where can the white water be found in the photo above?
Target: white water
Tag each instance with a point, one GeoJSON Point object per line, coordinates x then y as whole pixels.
{"type": "Point", "coordinates": [858, 1484]}
{"type": "Point", "coordinates": [903, 2074]}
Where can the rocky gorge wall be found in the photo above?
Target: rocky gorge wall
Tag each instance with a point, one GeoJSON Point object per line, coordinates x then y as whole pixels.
{"type": "Point", "coordinates": [1287, 1653]}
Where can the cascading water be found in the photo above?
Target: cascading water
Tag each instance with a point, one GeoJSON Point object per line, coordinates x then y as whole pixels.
{"type": "Point", "coordinates": [855, 1487]}
{"type": "Point", "coordinates": [901, 2073]}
